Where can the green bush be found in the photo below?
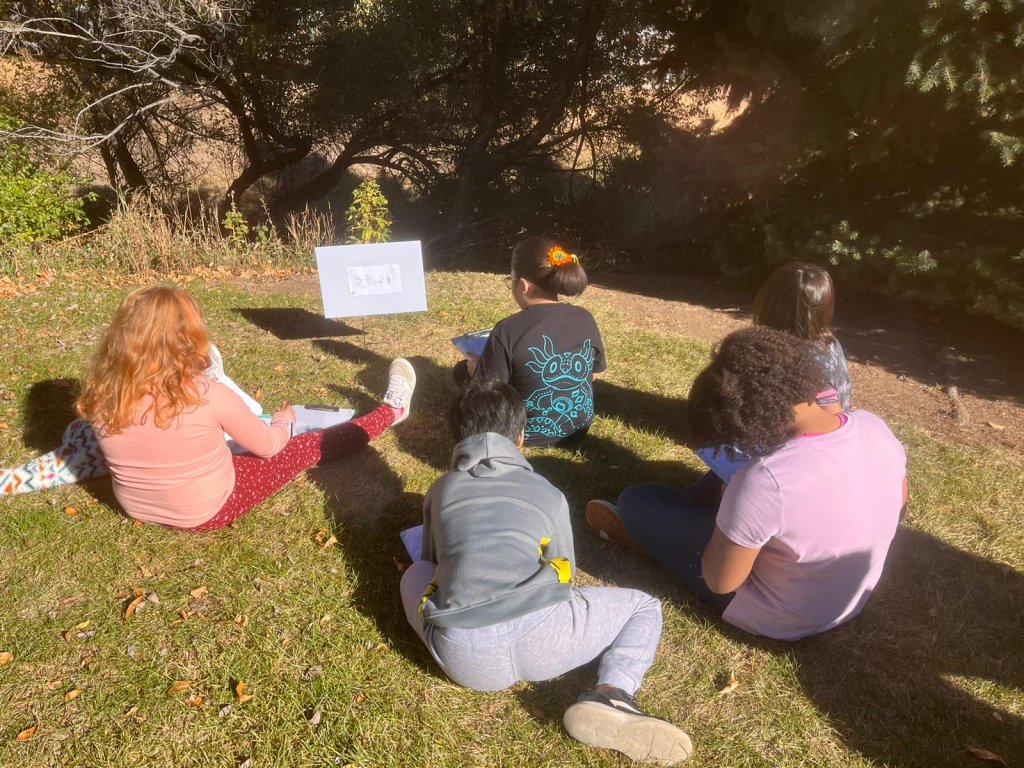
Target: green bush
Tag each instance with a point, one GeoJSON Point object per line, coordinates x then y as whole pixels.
{"type": "Point", "coordinates": [35, 203]}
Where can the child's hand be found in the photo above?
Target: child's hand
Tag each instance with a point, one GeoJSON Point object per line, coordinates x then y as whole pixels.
{"type": "Point", "coordinates": [285, 412]}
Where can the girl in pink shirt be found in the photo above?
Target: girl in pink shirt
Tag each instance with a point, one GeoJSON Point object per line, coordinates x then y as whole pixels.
{"type": "Point", "coordinates": [161, 421]}
{"type": "Point", "coordinates": [797, 541]}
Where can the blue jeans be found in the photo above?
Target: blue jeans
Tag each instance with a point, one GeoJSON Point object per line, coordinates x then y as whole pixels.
{"type": "Point", "coordinates": [674, 528]}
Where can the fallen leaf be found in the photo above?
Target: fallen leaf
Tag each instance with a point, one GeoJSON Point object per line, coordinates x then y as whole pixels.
{"type": "Point", "coordinates": [279, 367]}
{"type": "Point", "coordinates": [360, 699]}
{"type": "Point", "coordinates": [224, 711]}
{"type": "Point", "coordinates": [240, 693]}
{"type": "Point", "coordinates": [70, 511]}
{"type": "Point", "coordinates": [313, 672]}
{"type": "Point", "coordinates": [381, 647]}
{"type": "Point", "coordinates": [332, 540]}
{"type": "Point", "coordinates": [315, 718]}
{"type": "Point", "coordinates": [28, 733]}
{"type": "Point", "coordinates": [133, 606]}
{"type": "Point", "coordinates": [83, 624]}
{"type": "Point", "coordinates": [178, 686]}
{"type": "Point", "coordinates": [86, 661]}
{"type": "Point", "coordinates": [52, 685]}
{"type": "Point", "coordinates": [70, 600]}
{"type": "Point", "coordinates": [998, 428]}
{"type": "Point", "coordinates": [131, 711]}
{"type": "Point", "coordinates": [242, 620]}
{"type": "Point", "coordinates": [984, 754]}
{"type": "Point", "coordinates": [6, 657]}
{"type": "Point", "coordinates": [199, 592]}
{"type": "Point", "coordinates": [137, 524]}
{"type": "Point", "coordinates": [68, 636]}
{"type": "Point", "coordinates": [258, 395]}
{"type": "Point", "coordinates": [731, 686]}
{"type": "Point", "coordinates": [71, 695]}
{"type": "Point", "coordinates": [319, 537]}
{"type": "Point", "coordinates": [195, 700]}
{"type": "Point", "coordinates": [246, 764]}
{"type": "Point", "coordinates": [325, 619]}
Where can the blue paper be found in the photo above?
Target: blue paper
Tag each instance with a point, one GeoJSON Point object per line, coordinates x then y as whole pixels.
{"type": "Point", "coordinates": [718, 461]}
{"type": "Point", "coordinates": [472, 343]}
{"type": "Point", "coordinates": [413, 540]}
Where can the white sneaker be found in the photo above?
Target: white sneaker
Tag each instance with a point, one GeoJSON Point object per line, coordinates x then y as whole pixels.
{"type": "Point", "coordinates": [401, 383]}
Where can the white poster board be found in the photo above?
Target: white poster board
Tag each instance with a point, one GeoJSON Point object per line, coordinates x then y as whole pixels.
{"type": "Point", "coordinates": [374, 279]}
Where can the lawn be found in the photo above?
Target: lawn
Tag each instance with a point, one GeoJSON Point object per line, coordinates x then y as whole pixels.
{"type": "Point", "coordinates": [297, 605]}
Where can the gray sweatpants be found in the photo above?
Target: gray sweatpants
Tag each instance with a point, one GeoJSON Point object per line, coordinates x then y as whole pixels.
{"type": "Point", "coordinates": [622, 626]}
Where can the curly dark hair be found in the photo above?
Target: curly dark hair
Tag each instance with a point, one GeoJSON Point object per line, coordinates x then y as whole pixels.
{"type": "Point", "coordinates": [744, 399]}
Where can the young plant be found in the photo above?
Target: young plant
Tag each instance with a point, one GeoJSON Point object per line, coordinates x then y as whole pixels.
{"type": "Point", "coordinates": [368, 218]}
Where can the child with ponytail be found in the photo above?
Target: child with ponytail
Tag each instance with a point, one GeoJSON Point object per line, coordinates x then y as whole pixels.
{"type": "Point", "coordinates": [549, 351]}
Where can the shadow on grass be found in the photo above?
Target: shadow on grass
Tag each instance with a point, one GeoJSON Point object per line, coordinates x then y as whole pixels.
{"type": "Point", "coordinates": [425, 435]}
{"type": "Point", "coordinates": [641, 410]}
{"type": "Point", "coordinates": [49, 408]}
{"type": "Point", "coordinates": [365, 502]}
{"type": "Point", "coordinates": [291, 323]}
{"type": "Point", "coordinates": [889, 679]}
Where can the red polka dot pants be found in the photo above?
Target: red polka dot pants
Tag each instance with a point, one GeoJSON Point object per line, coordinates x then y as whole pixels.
{"type": "Point", "coordinates": [258, 479]}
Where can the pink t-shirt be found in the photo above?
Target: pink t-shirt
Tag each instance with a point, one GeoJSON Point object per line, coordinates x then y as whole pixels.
{"type": "Point", "coordinates": [181, 476]}
{"type": "Point", "coordinates": [823, 510]}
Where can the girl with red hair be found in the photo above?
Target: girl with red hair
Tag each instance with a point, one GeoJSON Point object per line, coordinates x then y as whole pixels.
{"type": "Point", "coordinates": [161, 420]}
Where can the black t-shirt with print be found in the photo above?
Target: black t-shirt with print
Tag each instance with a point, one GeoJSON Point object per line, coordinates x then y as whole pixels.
{"type": "Point", "coordinates": [549, 353]}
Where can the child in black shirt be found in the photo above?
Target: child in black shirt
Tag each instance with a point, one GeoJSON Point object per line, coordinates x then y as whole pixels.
{"type": "Point", "coordinates": [549, 351]}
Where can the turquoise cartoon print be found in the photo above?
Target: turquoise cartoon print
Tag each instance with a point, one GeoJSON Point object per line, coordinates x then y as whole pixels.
{"type": "Point", "coordinates": [565, 402]}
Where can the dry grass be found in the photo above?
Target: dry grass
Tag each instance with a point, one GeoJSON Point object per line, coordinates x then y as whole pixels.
{"type": "Point", "coordinates": [141, 239]}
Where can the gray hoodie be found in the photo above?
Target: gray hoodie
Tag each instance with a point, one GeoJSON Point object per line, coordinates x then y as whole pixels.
{"type": "Point", "coordinates": [500, 536]}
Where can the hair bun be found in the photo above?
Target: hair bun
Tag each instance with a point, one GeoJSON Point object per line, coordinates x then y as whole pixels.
{"type": "Point", "coordinates": [559, 257]}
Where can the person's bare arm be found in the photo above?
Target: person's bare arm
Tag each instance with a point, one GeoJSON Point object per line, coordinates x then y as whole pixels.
{"type": "Point", "coordinates": [725, 564]}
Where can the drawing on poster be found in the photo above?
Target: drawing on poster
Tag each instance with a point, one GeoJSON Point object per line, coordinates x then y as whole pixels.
{"type": "Point", "coordinates": [374, 280]}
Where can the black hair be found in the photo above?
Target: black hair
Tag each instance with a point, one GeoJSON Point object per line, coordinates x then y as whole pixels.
{"type": "Point", "coordinates": [798, 298]}
{"type": "Point", "coordinates": [745, 397]}
{"type": "Point", "coordinates": [487, 406]}
{"type": "Point", "coordinates": [530, 259]}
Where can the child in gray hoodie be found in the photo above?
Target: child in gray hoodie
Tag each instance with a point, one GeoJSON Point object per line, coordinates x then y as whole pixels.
{"type": "Point", "coordinates": [494, 598]}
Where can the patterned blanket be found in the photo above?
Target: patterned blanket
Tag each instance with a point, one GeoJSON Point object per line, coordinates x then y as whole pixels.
{"type": "Point", "coordinates": [78, 458]}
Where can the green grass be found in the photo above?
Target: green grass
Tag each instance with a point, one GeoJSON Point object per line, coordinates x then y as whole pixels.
{"type": "Point", "coordinates": [931, 668]}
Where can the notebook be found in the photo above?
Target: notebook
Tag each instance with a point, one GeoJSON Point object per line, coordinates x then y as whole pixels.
{"type": "Point", "coordinates": [413, 540]}
{"type": "Point", "coordinates": [472, 343]}
{"type": "Point", "coordinates": [720, 463]}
